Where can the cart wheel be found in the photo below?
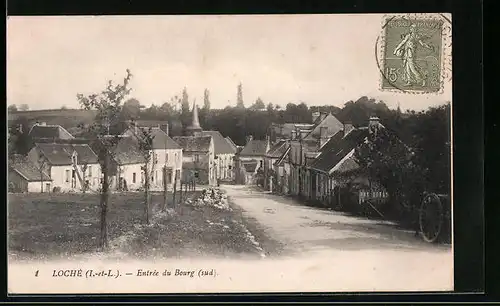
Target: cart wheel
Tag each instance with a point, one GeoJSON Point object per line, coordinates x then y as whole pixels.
{"type": "Point", "coordinates": [431, 218]}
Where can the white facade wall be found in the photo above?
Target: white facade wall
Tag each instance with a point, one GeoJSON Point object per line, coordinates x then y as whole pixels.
{"type": "Point", "coordinates": [253, 158]}
{"type": "Point", "coordinates": [224, 165]}
{"type": "Point", "coordinates": [132, 174]}
{"type": "Point", "coordinates": [171, 158]}
{"type": "Point", "coordinates": [62, 177]}
{"type": "Point", "coordinates": [36, 186]}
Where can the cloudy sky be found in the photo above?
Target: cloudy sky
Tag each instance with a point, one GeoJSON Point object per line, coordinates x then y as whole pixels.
{"type": "Point", "coordinates": [318, 59]}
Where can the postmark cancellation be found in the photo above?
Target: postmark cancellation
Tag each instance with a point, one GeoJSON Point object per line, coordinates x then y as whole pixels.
{"type": "Point", "coordinates": [414, 53]}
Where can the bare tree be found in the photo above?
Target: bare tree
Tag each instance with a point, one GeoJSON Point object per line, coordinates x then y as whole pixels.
{"type": "Point", "coordinates": [108, 104]}
{"type": "Point", "coordinates": [145, 139]}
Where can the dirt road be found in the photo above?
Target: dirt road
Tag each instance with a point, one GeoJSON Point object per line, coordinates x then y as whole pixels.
{"type": "Point", "coordinates": [377, 250]}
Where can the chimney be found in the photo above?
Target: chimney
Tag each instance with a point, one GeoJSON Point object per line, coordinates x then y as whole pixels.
{"type": "Point", "coordinates": [315, 115]}
{"type": "Point", "coordinates": [348, 127]}
{"type": "Point", "coordinates": [373, 124]}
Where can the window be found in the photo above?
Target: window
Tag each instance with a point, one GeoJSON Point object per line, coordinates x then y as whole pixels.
{"type": "Point", "coordinates": [67, 176]}
{"type": "Point", "coordinates": [166, 157]}
{"type": "Point", "coordinates": [133, 177]}
{"type": "Point", "coordinates": [90, 170]}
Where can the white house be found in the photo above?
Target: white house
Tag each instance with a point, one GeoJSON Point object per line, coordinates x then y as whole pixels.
{"type": "Point", "coordinates": [126, 169]}
{"type": "Point", "coordinates": [166, 156]}
{"type": "Point", "coordinates": [24, 176]}
{"type": "Point", "coordinates": [224, 155]}
{"type": "Point", "coordinates": [72, 167]}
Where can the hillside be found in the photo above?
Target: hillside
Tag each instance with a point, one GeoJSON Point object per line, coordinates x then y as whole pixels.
{"type": "Point", "coordinates": [65, 117]}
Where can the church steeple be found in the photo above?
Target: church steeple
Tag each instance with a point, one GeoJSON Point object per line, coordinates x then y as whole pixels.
{"type": "Point", "coordinates": [195, 127]}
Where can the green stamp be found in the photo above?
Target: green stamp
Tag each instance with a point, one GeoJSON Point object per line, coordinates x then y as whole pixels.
{"type": "Point", "coordinates": [412, 54]}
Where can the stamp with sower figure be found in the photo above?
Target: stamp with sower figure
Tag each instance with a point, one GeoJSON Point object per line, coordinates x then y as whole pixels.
{"type": "Point", "coordinates": [411, 53]}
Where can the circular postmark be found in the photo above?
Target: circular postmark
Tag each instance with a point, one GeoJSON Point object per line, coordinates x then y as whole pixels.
{"type": "Point", "coordinates": [413, 53]}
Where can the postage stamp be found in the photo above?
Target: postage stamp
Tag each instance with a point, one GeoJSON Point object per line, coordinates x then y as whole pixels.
{"type": "Point", "coordinates": [412, 57]}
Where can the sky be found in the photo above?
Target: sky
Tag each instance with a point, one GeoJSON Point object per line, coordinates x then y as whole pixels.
{"type": "Point", "coordinates": [317, 59]}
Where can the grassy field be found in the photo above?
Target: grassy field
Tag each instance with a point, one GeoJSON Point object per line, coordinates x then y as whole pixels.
{"type": "Point", "coordinates": [64, 117]}
{"type": "Point", "coordinates": [45, 226]}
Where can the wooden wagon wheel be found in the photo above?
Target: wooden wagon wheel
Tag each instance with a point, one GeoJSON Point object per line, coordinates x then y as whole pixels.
{"type": "Point", "coordinates": [431, 218]}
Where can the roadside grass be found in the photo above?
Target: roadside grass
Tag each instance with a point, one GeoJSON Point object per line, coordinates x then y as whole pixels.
{"type": "Point", "coordinates": [45, 226]}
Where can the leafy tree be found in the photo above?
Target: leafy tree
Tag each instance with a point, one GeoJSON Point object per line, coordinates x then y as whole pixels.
{"type": "Point", "coordinates": [12, 108]}
{"type": "Point", "coordinates": [185, 111]}
{"type": "Point", "coordinates": [206, 100]}
{"type": "Point", "coordinates": [258, 104]}
{"type": "Point", "coordinates": [360, 111]}
{"type": "Point", "coordinates": [384, 158]}
{"type": "Point", "coordinates": [108, 103]}
{"type": "Point", "coordinates": [131, 109]}
{"type": "Point", "coordinates": [23, 107]}
{"type": "Point", "coordinates": [19, 140]}
{"type": "Point", "coordinates": [239, 96]}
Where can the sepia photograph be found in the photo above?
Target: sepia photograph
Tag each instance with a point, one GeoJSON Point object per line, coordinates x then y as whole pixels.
{"type": "Point", "coordinates": [230, 153]}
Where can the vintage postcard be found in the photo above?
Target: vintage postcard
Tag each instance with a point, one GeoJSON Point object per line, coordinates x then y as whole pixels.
{"type": "Point", "coordinates": [238, 154]}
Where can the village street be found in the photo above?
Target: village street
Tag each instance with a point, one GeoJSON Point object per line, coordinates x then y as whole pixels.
{"type": "Point", "coordinates": [351, 247]}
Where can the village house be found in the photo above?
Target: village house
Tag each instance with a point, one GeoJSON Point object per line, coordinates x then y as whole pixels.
{"type": "Point", "coordinates": [250, 160]}
{"type": "Point", "coordinates": [329, 170]}
{"type": "Point", "coordinates": [282, 167]}
{"type": "Point", "coordinates": [72, 167]}
{"type": "Point", "coordinates": [41, 132]}
{"type": "Point", "coordinates": [198, 158]}
{"type": "Point", "coordinates": [126, 172]}
{"type": "Point", "coordinates": [272, 173]}
{"type": "Point", "coordinates": [25, 176]}
{"type": "Point", "coordinates": [224, 156]}
{"type": "Point", "coordinates": [167, 156]}
{"type": "Point", "coordinates": [305, 144]}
